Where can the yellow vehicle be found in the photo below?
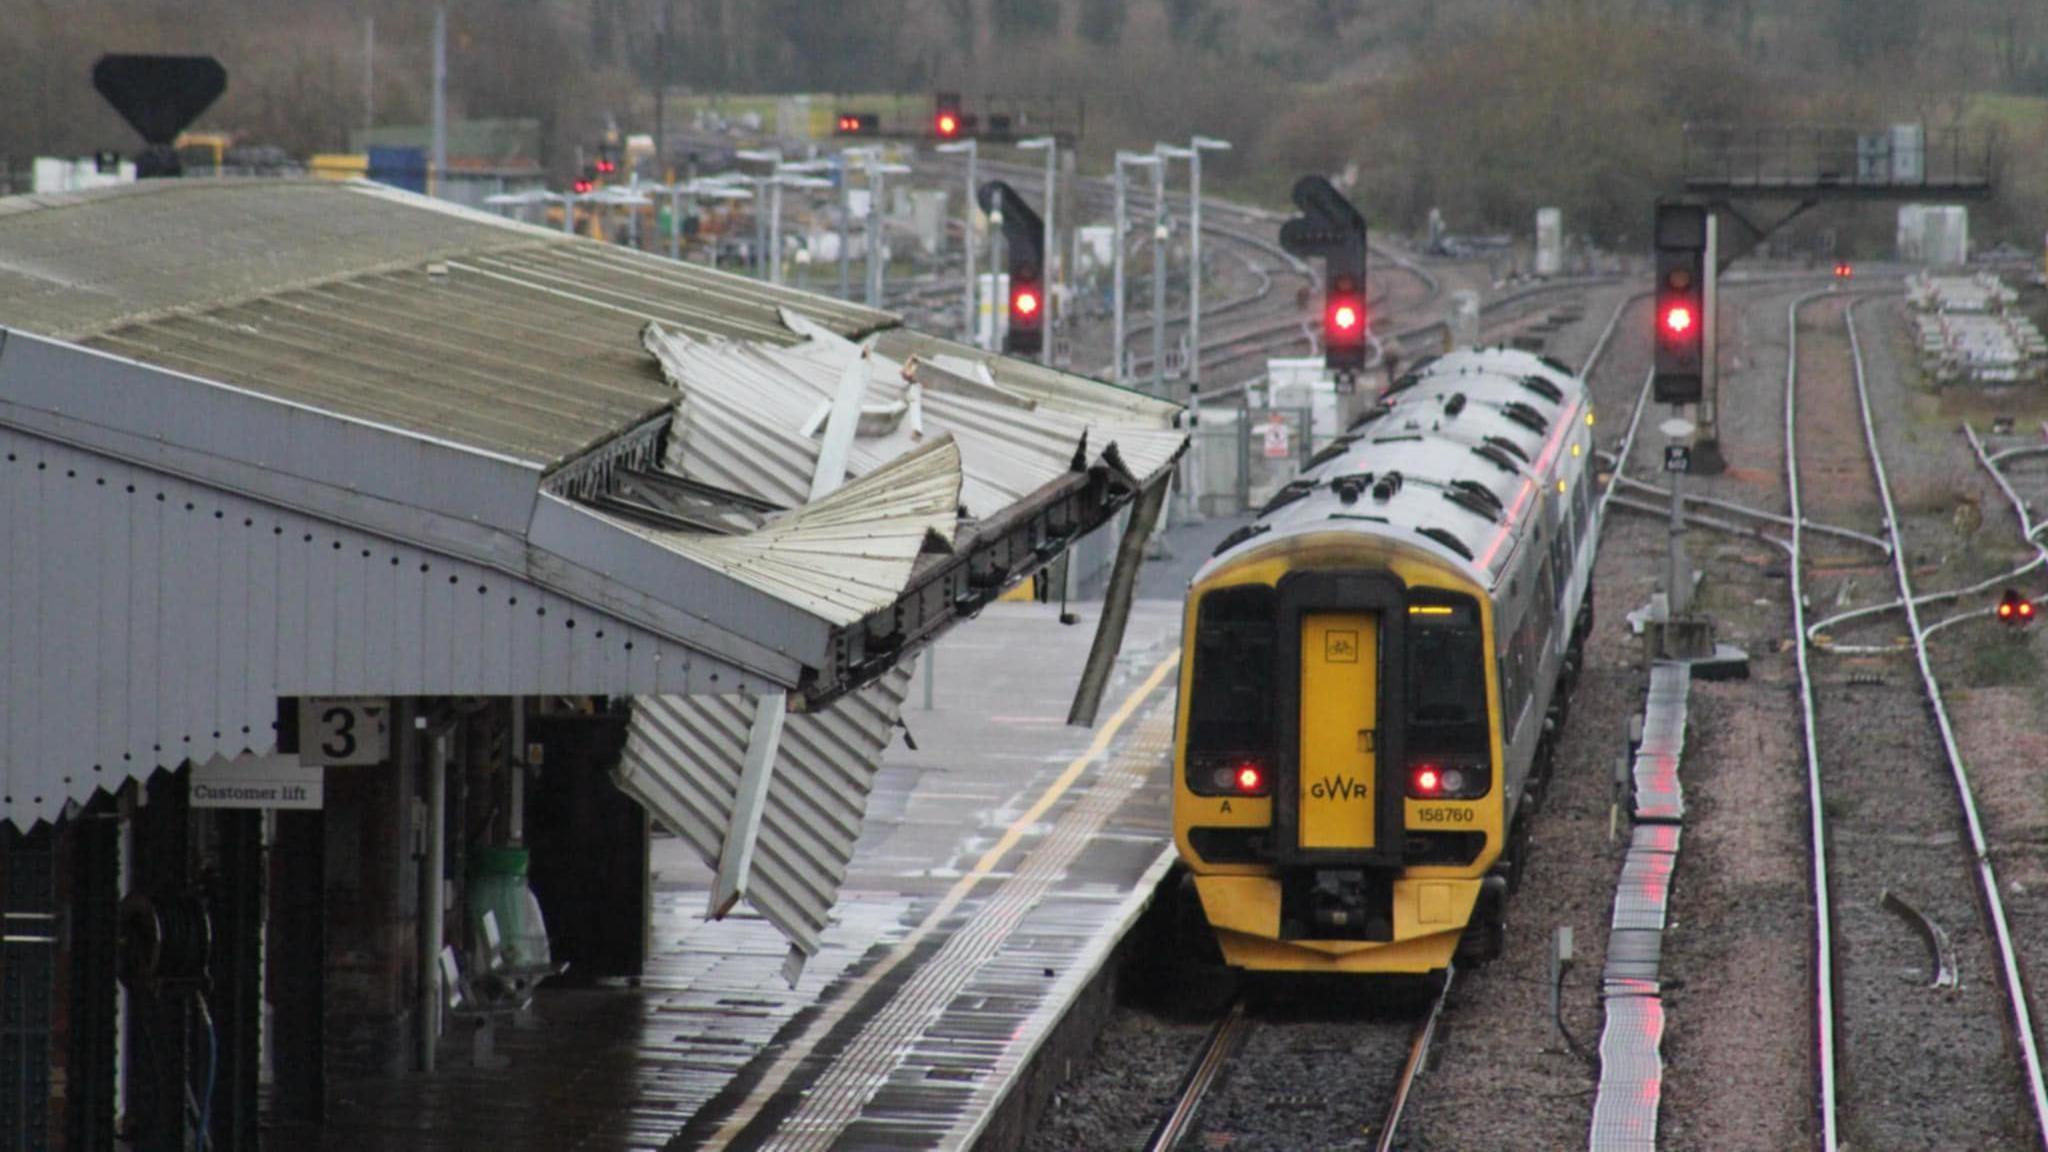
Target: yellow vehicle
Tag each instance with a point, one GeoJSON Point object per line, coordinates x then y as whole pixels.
{"type": "Point", "coordinates": [1376, 668]}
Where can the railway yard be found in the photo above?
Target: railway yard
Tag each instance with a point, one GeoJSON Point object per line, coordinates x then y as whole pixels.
{"type": "Point", "coordinates": [1419, 704]}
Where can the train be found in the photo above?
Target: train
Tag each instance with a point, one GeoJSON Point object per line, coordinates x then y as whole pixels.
{"type": "Point", "coordinates": [1375, 672]}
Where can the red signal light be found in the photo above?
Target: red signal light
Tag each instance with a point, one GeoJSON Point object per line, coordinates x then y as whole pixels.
{"type": "Point", "coordinates": [2005, 610]}
{"type": "Point", "coordinates": [948, 124]}
{"type": "Point", "coordinates": [1248, 778]}
{"type": "Point", "coordinates": [582, 186]}
{"type": "Point", "coordinates": [1346, 317]}
{"type": "Point", "coordinates": [607, 166]}
{"type": "Point", "coordinates": [1025, 303]}
{"type": "Point", "coordinates": [1428, 781]}
{"type": "Point", "coordinates": [1678, 320]}
{"type": "Point", "coordinates": [2026, 609]}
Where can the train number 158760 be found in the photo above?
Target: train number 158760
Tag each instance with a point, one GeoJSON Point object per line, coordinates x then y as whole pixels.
{"type": "Point", "coordinates": [1445, 815]}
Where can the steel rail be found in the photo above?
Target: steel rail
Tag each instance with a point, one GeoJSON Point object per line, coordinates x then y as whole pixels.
{"type": "Point", "coordinates": [1758, 513]}
{"type": "Point", "coordinates": [1930, 598]}
{"type": "Point", "coordinates": [1411, 1069]}
{"type": "Point", "coordinates": [1823, 901]}
{"type": "Point", "coordinates": [1986, 873]}
{"type": "Point", "coordinates": [1224, 1041]}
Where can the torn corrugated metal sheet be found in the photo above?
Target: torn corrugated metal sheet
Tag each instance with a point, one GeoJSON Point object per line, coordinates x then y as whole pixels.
{"type": "Point", "coordinates": [750, 417]}
{"type": "Point", "coordinates": [848, 554]}
{"type": "Point", "coordinates": [682, 763]}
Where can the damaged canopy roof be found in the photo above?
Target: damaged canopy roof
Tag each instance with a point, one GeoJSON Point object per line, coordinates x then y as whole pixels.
{"type": "Point", "coordinates": [387, 384]}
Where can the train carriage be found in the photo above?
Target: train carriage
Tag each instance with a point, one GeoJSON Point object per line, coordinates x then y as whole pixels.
{"type": "Point", "coordinates": [1374, 670]}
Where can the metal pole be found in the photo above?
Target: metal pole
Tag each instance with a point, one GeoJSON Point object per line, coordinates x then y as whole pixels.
{"type": "Point", "coordinates": [1116, 347]}
{"type": "Point", "coordinates": [1194, 280]}
{"type": "Point", "coordinates": [968, 317]}
{"type": "Point", "coordinates": [369, 77]}
{"type": "Point", "coordinates": [931, 658]}
{"type": "Point", "coordinates": [569, 215]}
{"type": "Point", "coordinates": [1049, 250]}
{"type": "Point", "coordinates": [998, 300]}
{"type": "Point", "coordinates": [1159, 278]}
{"type": "Point", "coordinates": [440, 164]}
{"type": "Point", "coordinates": [1680, 593]}
{"type": "Point", "coordinates": [874, 293]}
{"type": "Point", "coordinates": [431, 891]}
{"type": "Point", "coordinates": [675, 221]}
{"type": "Point", "coordinates": [1191, 464]}
{"type": "Point", "coordinates": [760, 228]}
{"type": "Point", "coordinates": [845, 230]}
{"type": "Point", "coordinates": [775, 232]}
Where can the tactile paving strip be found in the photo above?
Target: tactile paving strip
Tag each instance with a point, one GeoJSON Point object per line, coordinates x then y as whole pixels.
{"type": "Point", "coordinates": [1631, 1059]}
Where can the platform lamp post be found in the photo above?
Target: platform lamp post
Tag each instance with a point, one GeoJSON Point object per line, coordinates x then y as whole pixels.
{"type": "Point", "coordinates": [877, 170]}
{"type": "Point", "coordinates": [1050, 248]}
{"type": "Point", "coordinates": [786, 176]}
{"type": "Point", "coordinates": [1160, 230]}
{"type": "Point", "coordinates": [1192, 462]}
{"type": "Point", "coordinates": [972, 148]}
{"type": "Point", "coordinates": [771, 157]}
{"type": "Point", "coordinates": [844, 163]}
{"type": "Point", "coordinates": [1117, 310]}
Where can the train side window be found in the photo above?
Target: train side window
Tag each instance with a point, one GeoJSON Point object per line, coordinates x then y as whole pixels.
{"type": "Point", "coordinates": [1236, 646]}
{"type": "Point", "coordinates": [1446, 675]}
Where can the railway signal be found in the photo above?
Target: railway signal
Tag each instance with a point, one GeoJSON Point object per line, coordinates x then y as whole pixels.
{"type": "Point", "coordinates": [1024, 246]}
{"type": "Point", "coordinates": [1844, 271]}
{"type": "Point", "coordinates": [1330, 229]}
{"type": "Point", "coordinates": [858, 124]}
{"type": "Point", "coordinates": [2014, 609]}
{"type": "Point", "coordinates": [947, 117]}
{"type": "Point", "coordinates": [1681, 303]}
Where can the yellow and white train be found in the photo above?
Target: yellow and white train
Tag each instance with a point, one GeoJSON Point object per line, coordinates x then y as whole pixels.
{"type": "Point", "coordinates": [1375, 671]}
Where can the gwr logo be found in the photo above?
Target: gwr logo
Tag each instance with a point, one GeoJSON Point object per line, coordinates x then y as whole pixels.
{"type": "Point", "coordinates": [1338, 788]}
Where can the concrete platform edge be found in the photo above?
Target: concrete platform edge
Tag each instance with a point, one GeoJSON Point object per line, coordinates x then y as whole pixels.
{"type": "Point", "coordinates": [1022, 1095]}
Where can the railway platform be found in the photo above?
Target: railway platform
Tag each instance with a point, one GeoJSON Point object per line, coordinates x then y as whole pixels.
{"type": "Point", "coordinates": [1001, 859]}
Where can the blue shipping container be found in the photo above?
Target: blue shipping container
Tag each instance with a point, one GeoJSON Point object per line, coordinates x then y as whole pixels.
{"type": "Point", "coordinates": [400, 167]}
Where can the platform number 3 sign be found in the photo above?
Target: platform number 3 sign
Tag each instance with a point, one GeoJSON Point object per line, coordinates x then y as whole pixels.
{"type": "Point", "coordinates": [344, 730]}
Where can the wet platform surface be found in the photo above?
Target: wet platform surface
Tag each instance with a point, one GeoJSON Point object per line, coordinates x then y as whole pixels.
{"type": "Point", "coordinates": [998, 864]}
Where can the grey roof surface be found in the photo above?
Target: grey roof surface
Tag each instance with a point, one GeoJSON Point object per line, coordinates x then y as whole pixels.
{"type": "Point", "coordinates": [526, 345]}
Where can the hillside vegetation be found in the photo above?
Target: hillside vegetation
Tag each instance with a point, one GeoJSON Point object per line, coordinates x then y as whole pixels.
{"type": "Point", "coordinates": [1483, 108]}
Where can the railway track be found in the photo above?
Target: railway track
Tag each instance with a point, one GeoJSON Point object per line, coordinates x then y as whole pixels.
{"type": "Point", "coordinates": [1374, 1043]}
{"type": "Point", "coordinates": [1848, 1034]}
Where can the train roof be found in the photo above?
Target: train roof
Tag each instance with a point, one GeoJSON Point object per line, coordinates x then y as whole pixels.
{"type": "Point", "coordinates": [1447, 462]}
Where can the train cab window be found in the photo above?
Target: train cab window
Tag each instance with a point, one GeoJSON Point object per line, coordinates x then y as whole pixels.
{"type": "Point", "coordinates": [1446, 675]}
{"type": "Point", "coordinates": [1230, 709]}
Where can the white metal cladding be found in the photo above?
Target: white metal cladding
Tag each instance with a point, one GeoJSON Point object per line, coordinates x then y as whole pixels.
{"type": "Point", "coordinates": [748, 419]}
{"type": "Point", "coordinates": [146, 620]}
{"type": "Point", "coordinates": [849, 553]}
{"type": "Point", "coordinates": [682, 763]}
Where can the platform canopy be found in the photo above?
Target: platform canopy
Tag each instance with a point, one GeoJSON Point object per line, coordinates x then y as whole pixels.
{"type": "Point", "coordinates": [273, 439]}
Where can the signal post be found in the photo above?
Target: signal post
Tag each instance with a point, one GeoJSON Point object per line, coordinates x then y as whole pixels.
{"type": "Point", "coordinates": [1685, 373]}
{"type": "Point", "coordinates": [1330, 229]}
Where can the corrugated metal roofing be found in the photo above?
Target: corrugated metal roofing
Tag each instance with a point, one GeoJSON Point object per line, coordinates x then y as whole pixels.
{"type": "Point", "coordinates": [750, 414]}
{"type": "Point", "coordinates": [682, 763]}
{"type": "Point", "coordinates": [850, 553]}
{"type": "Point", "coordinates": [522, 344]}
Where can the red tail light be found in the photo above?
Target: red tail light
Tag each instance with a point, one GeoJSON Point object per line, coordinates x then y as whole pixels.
{"type": "Point", "coordinates": [1249, 779]}
{"type": "Point", "coordinates": [1428, 781]}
